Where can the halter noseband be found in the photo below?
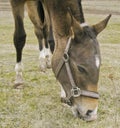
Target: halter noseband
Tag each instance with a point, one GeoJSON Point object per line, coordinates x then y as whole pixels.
{"type": "Point", "coordinates": [75, 91]}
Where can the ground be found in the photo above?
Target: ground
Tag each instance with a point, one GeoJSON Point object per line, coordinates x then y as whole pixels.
{"type": "Point", "coordinates": [38, 104]}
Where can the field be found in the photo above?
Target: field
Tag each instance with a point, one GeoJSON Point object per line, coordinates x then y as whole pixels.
{"type": "Point", "coordinates": [38, 104]}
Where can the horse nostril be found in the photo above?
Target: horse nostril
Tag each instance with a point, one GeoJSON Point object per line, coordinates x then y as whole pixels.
{"type": "Point", "coordinates": [89, 112]}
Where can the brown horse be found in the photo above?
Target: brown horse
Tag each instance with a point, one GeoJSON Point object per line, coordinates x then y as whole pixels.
{"type": "Point", "coordinates": [76, 59]}
{"type": "Point", "coordinates": [43, 32]}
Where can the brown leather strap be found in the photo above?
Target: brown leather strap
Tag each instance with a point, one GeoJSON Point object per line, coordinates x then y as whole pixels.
{"type": "Point", "coordinates": [90, 94]}
{"type": "Point", "coordinates": [59, 67]}
{"type": "Point", "coordinates": [70, 74]}
{"type": "Point", "coordinates": [62, 61]}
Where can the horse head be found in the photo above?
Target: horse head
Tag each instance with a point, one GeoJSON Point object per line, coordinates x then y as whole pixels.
{"type": "Point", "coordinates": [76, 64]}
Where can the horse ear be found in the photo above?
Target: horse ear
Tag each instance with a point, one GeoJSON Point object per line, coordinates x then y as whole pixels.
{"type": "Point", "coordinates": [101, 25]}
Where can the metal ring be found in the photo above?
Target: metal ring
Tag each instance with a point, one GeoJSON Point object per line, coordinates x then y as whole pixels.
{"type": "Point", "coordinates": [66, 57]}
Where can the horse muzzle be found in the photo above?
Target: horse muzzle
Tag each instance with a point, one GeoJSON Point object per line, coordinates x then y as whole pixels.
{"type": "Point", "coordinates": [88, 116]}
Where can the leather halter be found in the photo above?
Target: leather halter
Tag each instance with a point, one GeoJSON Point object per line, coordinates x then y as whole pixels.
{"type": "Point", "coordinates": [75, 91]}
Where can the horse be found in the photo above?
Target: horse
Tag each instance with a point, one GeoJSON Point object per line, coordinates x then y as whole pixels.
{"type": "Point", "coordinates": [76, 59]}
{"type": "Point", "coordinates": [43, 32]}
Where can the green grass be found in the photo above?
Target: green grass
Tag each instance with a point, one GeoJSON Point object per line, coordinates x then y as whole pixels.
{"type": "Point", "coordinates": [38, 104]}
{"type": "Point", "coordinates": [103, 5]}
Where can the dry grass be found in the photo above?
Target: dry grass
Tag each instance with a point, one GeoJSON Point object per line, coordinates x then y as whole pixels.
{"type": "Point", "coordinates": [38, 104]}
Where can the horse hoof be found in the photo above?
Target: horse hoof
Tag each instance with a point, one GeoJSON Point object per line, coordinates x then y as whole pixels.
{"type": "Point", "coordinates": [43, 65]}
{"type": "Point", "coordinates": [48, 61]}
{"type": "Point", "coordinates": [48, 66]}
{"type": "Point", "coordinates": [43, 68]}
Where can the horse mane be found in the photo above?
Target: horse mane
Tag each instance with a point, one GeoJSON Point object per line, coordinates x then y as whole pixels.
{"type": "Point", "coordinates": [82, 19]}
{"type": "Point", "coordinates": [40, 11]}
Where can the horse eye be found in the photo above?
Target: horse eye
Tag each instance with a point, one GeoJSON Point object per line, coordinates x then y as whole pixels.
{"type": "Point", "coordinates": [82, 69]}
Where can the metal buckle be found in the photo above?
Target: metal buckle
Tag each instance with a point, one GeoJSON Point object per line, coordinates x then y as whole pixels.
{"type": "Point", "coordinates": [65, 57]}
{"type": "Point", "coordinates": [76, 92]}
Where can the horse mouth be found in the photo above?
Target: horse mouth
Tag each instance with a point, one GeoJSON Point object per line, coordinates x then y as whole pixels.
{"type": "Point", "coordinates": [85, 117]}
{"type": "Point", "coordinates": [90, 118]}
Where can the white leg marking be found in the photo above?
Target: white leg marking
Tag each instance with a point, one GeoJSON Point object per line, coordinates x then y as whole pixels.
{"type": "Point", "coordinates": [42, 60]}
{"type": "Point", "coordinates": [97, 61]}
{"type": "Point", "coordinates": [18, 70]}
{"type": "Point", "coordinates": [45, 58]}
{"type": "Point", "coordinates": [48, 57]}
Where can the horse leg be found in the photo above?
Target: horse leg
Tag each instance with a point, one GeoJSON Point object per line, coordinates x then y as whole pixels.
{"type": "Point", "coordinates": [45, 53]}
{"type": "Point", "coordinates": [82, 19]}
{"type": "Point", "coordinates": [19, 38]}
{"type": "Point", "coordinates": [51, 40]}
{"type": "Point", "coordinates": [36, 14]}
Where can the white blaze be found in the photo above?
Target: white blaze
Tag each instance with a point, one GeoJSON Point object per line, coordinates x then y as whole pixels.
{"type": "Point", "coordinates": [97, 61]}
